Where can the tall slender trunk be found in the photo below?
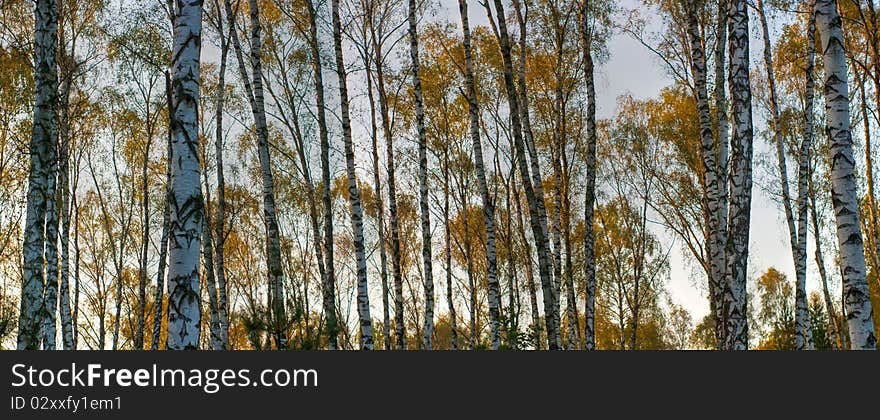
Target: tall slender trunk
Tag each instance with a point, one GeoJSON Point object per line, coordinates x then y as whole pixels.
{"type": "Point", "coordinates": [220, 236]}
{"type": "Point", "coordinates": [465, 240]}
{"type": "Point", "coordinates": [740, 179]}
{"type": "Point", "coordinates": [67, 67]}
{"type": "Point", "coordinates": [43, 140]}
{"type": "Point", "coordinates": [423, 180]}
{"type": "Point", "coordinates": [50, 294]}
{"type": "Point", "coordinates": [530, 272]}
{"type": "Point", "coordinates": [534, 196]}
{"type": "Point", "coordinates": [836, 339]}
{"type": "Point", "coordinates": [253, 84]}
{"type": "Point", "coordinates": [494, 294]}
{"type": "Point", "coordinates": [76, 261]}
{"type": "Point", "coordinates": [712, 181]}
{"type": "Point", "coordinates": [450, 300]}
{"type": "Point", "coordinates": [843, 182]}
{"type": "Point", "coordinates": [384, 110]}
{"type": "Point", "coordinates": [716, 240]}
{"type": "Point", "coordinates": [184, 316]}
{"type": "Point", "coordinates": [802, 202]}
{"type": "Point", "coordinates": [590, 175]}
{"type": "Point", "coordinates": [208, 257]}
{"type": "Point", "coordinates": [796, 227]}
{"type": "Point", "coordinates": [354, 196]}
{"type": "Point", "coordinates": [166, 222]}
{"type": "Point", "coordinates": [568, 273]}
{"type": "Point", "coordinates": [64, 184]}
{"type": "Point", "coordinates": [145, 236]}
{"type": "Point", "coordinates": [328, 289]}
{"type": "Point", "coordinates": [380, 210]}
{"type": "Point", "coordinates": [543, 241]}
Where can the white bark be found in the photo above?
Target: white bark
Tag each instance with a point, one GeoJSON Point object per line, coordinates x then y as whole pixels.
{"type": "Point", "coordinates": [166, 224]}
{"type": "Point", "coordinates": [354, 197]}
{"type": "Point", "coordinates": [219, 254]}
{"type": "Point", "coordinates": [328, 289]}
{"type": "Point", "coordinates": [50, 293]}
{"type": "Point", "coordinates": [380, 208]}
{"type": "Point", "coordinates": [423, 180]}
{"type": "Point", "coordinates": [44, 139]}
{"type": "Point", "coordinates": [64, 283]}
{"type": "Point", "coordinates": [740, 179]}
{"type": "Point", "coordinates": [535, 201]}
{"type": "Point", "coordinates": [494, 294]}
{"type": "Point", "coordinates": [253, 84]}
{"type": "Point", "coordinates": [545, 254]}
{"type": "Point", "coordinates": [590, 187]}
{"type": "Point", "coordinates": [796, 228]}
{"type": "Point", "coordinates": [843, 182]}
{"type": "Point", "coordinates": [184, 317]}
{"type": "Point", "coordinates": [377, 40]}
{"type": "Point", "coordinates": [717, 239]}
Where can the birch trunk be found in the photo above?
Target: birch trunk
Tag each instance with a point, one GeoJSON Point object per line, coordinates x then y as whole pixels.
{"type": "Point", "coordinates": [380, 212]}
{"type": "Point", "coordinates": [530, 272]}
{"type": "Point", "coordinates": [145, 237]}
{"type": "Point", "coordinates": [253, 84]}
{"type": "Point", "coordinates": [64, 181]}
{"type": "Point", "coordinates": [219, 252]}
{"type": "Point", "coordinates": [843, 182]}
{"type": "Point", "coordinates": [357, 214]}
{"type": "Point", "coordinates": [718, 237]}
{"type": "Point", "coordinates": [740, 179]}
{"type": "Point", "coordinates": [712, 179]}
{"type": "Point", "coordinates": [43, 140]}
{"type": "Point", "coordinates": [535, 201]}
{"type": "Point", "coordinates": [396, 271]}
{"type": "Point", "coordinates": [494, 294]}
{"type": "Point", "coordinates": [76, 261]}
{"type": "Point", "coordinates": [836, 339]}
{"type": "Point", "coordinates": [423, 182]}
{"type": "Point", "coordinates": [50, 303]}
{"type": "Point", "coordinates": [590, 187]}
{"type": "Point", "coordinates": [184, 317]}
{"type": "Point", "coordinates": [803, 332]}
{"type": "Point", "coordinates": [208, 256]}
{"type": "Point", "coordinates": [328, 289]}
{"type": "Point", "coordinates": [545, 255]}
{"type": "Point", "coordinates": [803, 191]}
{"type": "Point", "coordinates": [273, 235]}
{"type": "Point", "coordinates": [166, 223]}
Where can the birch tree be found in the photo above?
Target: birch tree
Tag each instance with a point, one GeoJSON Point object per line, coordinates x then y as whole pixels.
{"type": "Point", "coordinates": [797, 225]}
{"type": "Point", "coordinates": [166, 222]}
{"type": "Point", "coordinates": [740, 179]}
{"type": "Point", "coordinates": [184, 315]}
{"type": "Point", "coordinates": [843, 181]}
{"type": "Point", "coordinates": [586, 32]}
{"type": "Point", "coordinates": [535, 200]}
{"type": "Point", "coordinates": [328, 289]}
{"type": "Point", "coordinates": [424, 212]}
{"type": "Point", "coordinates": [488, 201]}
{"type": "Point", "coordinates": [43, 140]}
{"type": "Point", "coordinates": [253, 84]}
{"type": "Point", "coordinates": [357, 213]}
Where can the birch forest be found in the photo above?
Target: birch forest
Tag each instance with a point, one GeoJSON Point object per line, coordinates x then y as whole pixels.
{"type": "Point", "coordinates": [439, 174]}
